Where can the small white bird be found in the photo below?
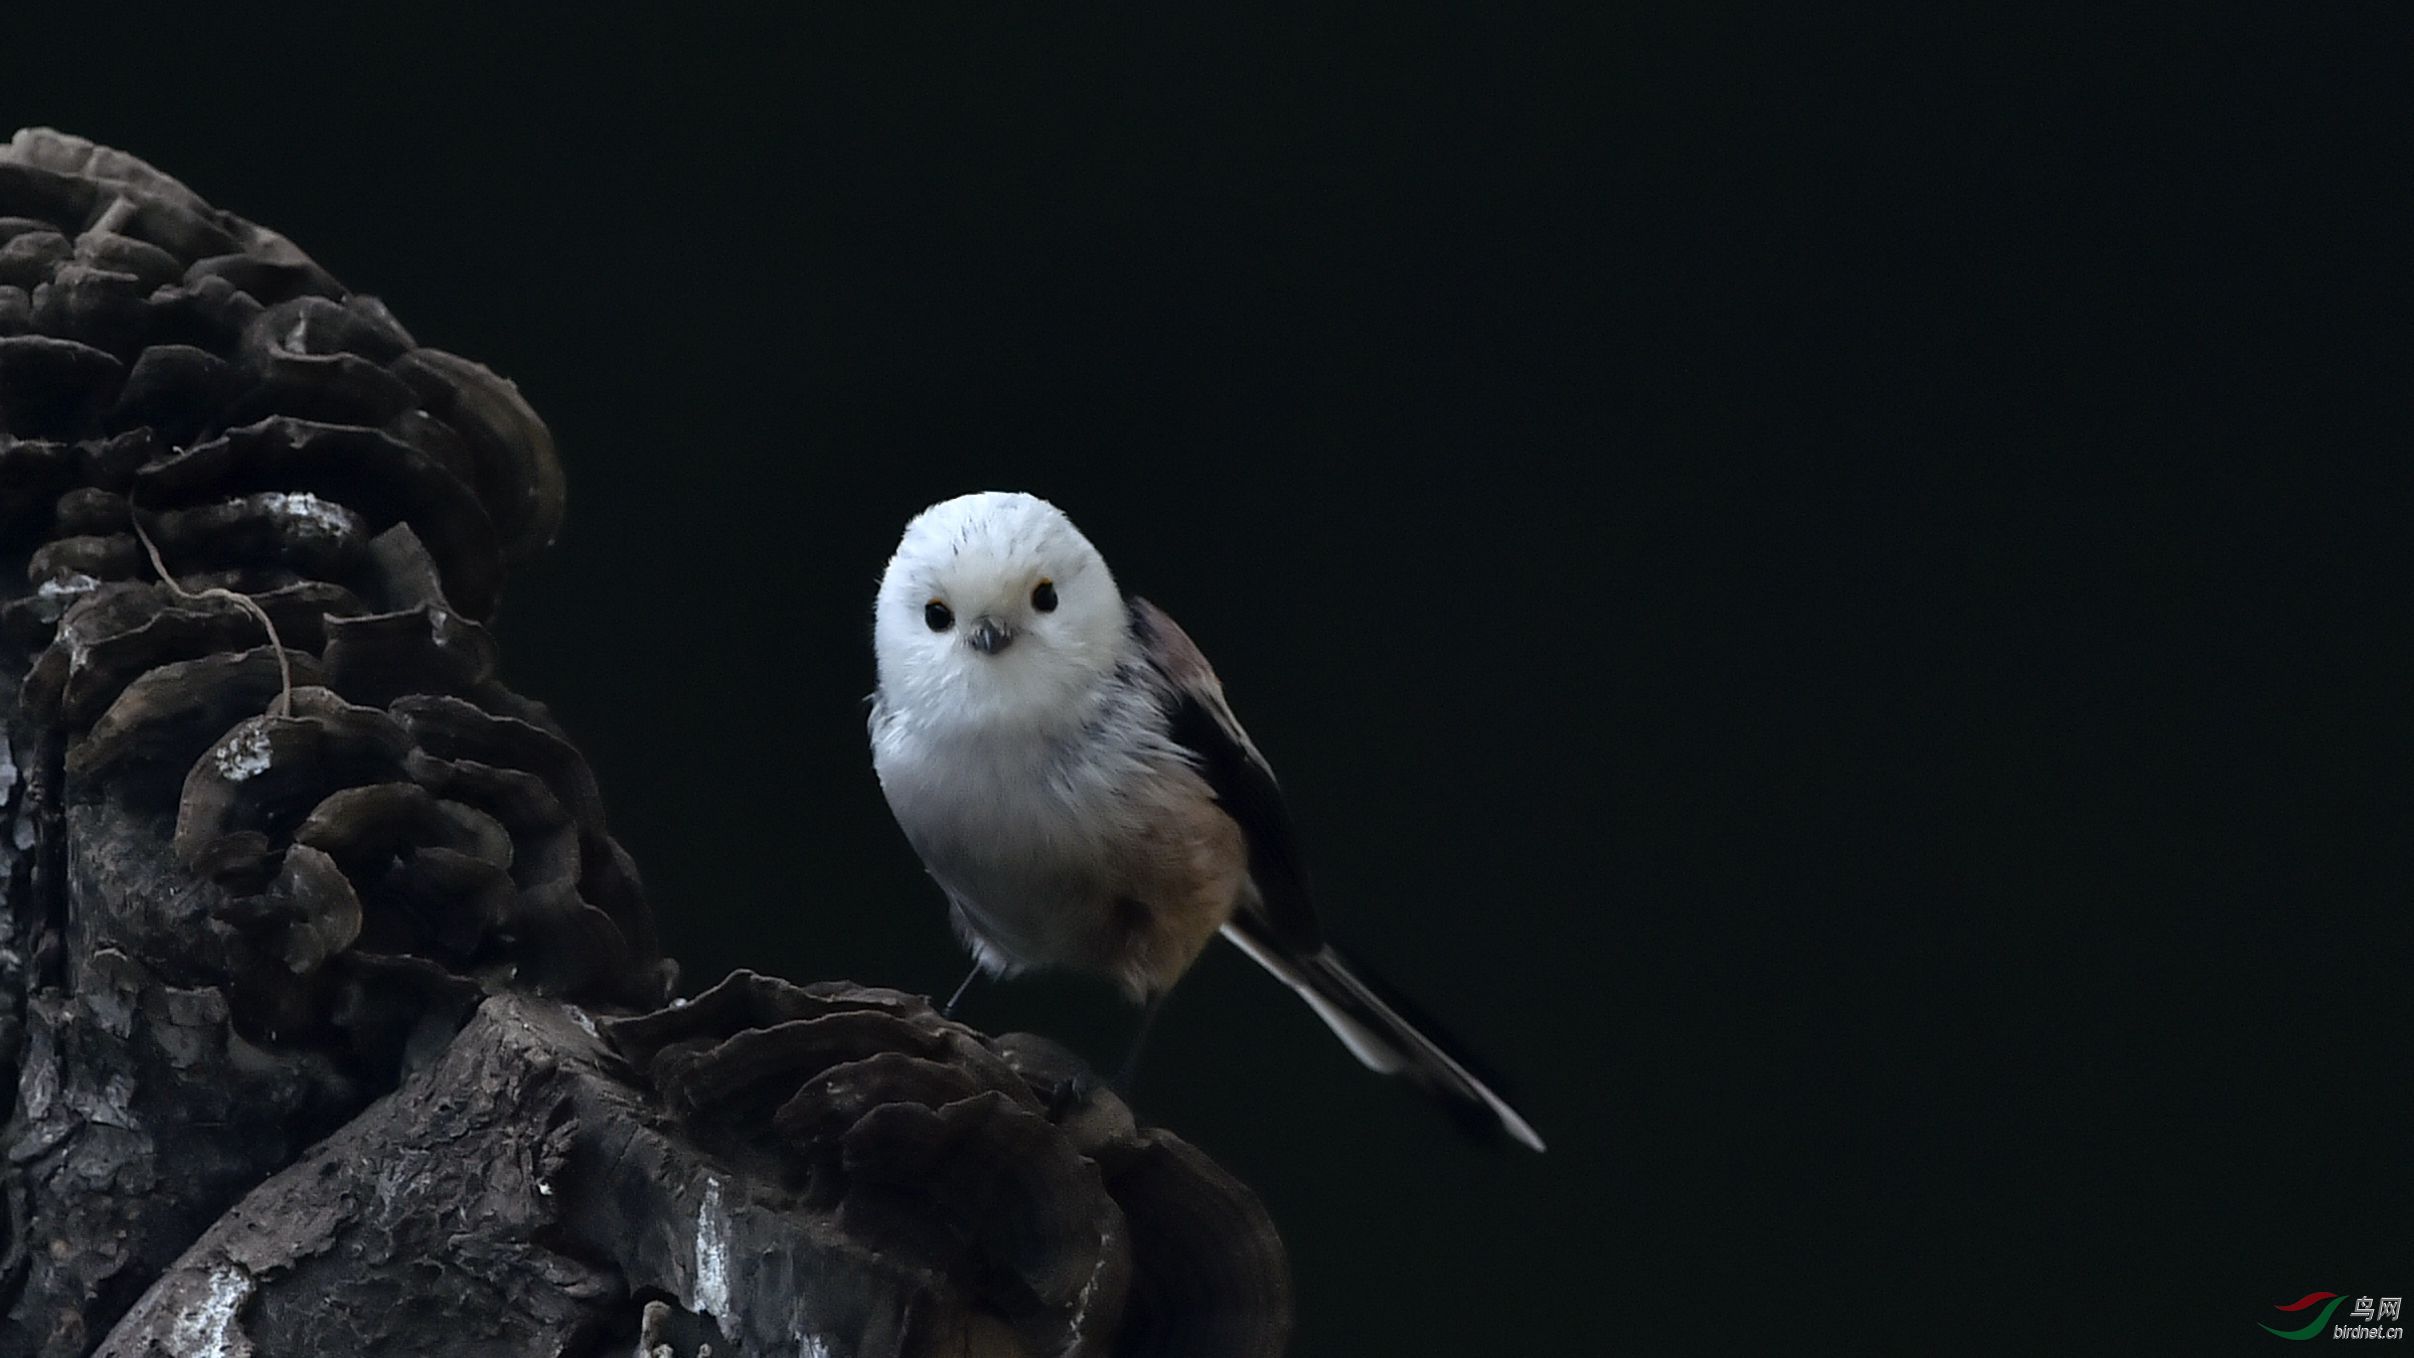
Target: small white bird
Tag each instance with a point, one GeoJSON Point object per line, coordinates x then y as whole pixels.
{"type": "Point", "coordinates": [1062, 758]}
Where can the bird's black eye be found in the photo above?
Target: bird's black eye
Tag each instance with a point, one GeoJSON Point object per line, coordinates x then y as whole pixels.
{"type": "Point", "coordinates": [938, 615]}
{"type": "Point", "coordinates": [1044, 597]}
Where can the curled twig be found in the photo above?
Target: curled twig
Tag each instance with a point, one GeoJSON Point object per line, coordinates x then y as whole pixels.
{"type": "Point", "coordinates": [283, 705]}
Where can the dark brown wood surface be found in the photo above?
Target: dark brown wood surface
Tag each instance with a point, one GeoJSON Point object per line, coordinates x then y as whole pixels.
{"type": "Point", "coordinates": [332, 1018]}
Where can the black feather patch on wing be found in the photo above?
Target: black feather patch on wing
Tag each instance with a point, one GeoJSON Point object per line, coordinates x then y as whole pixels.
{"type": "Point", "coordinates": [1198, 720]}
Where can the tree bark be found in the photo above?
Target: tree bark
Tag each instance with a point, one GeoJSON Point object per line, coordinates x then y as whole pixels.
{"type": "Point", "coordinates": [332, 1018]}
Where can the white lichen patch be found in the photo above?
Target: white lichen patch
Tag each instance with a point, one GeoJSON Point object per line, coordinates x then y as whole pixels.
{"type": "Point", "coordinates": [712, 1254]}
{"type": "Point", "coordinates": [52, 597]}
{"type": "Point", "coordinates": [207, 1328]}
{"type": "Point", "coordinates": [67, 586]}
{"type": "Point", "coordinates": [311, 514]}
{"type": "Point", "coordinates": [246, 755]}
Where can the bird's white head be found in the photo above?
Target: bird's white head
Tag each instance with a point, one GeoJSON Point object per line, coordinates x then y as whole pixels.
{"type": "Point", "coordinates": [996, 607]}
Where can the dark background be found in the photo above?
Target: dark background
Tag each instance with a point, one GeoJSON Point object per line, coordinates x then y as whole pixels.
{"type": "Point", "coordinates": [1819, 581]}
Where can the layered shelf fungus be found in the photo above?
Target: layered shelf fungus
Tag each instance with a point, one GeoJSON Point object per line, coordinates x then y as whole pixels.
{"type": "Point", "coordinates": [332, 1016]}
{"type": "Point", "coordinates": [275, 828]}
{"type": "Point", "coordinates": [996, 1176]}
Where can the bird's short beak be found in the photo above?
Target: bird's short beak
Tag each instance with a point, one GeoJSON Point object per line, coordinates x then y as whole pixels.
{"type": "Point", "coordinates": [989, 636]}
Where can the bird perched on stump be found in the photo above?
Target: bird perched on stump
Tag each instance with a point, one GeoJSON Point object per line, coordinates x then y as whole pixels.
{"type": "Point", "coordinates": [1062, 758]}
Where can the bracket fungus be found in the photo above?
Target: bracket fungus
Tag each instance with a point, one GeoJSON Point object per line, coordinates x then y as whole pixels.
{"type": "Point", "coordinates": [1001, 1165]}
{"type": "Point", "coordinates": [334, 1013]}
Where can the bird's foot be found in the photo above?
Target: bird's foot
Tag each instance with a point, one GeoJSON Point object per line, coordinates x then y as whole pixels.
{"type": "Point", "coordinates": [1070, 1093]}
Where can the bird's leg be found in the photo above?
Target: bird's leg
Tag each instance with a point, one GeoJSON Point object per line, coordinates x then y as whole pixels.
{"type": "Point", "coordinates": [1131, 1055]}
{"type": "Point", "coordinates": [948, 1010]}
{"type": "Point", "coordinates": [1069, 1094]}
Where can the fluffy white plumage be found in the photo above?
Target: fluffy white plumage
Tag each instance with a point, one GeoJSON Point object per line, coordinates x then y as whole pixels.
{"type": "Point", "coordinates": [1022, 776]}
{"type": "Point", "coordinates": [1063, 760]}
{"type": "Point", "coordinates": [982, 555]}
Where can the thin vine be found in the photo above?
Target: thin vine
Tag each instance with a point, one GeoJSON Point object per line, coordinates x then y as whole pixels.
{"type": "Point", "coordinates": [282, 705]}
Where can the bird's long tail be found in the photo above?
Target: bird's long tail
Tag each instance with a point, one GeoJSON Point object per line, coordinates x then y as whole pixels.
{"type": "Point", "coordinates": [1374, 1031]}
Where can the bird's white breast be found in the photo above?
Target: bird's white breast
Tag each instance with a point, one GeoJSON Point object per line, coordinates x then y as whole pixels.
{"type": "Point", "coordinates": [1025, 826]}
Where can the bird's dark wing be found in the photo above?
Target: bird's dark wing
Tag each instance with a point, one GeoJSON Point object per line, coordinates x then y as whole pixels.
{"type": "Point", "coordinates": [1201, 722]}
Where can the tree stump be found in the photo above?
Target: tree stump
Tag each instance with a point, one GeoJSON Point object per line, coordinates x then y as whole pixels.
{"type": "Point", "coordinates": [332, 1016]}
